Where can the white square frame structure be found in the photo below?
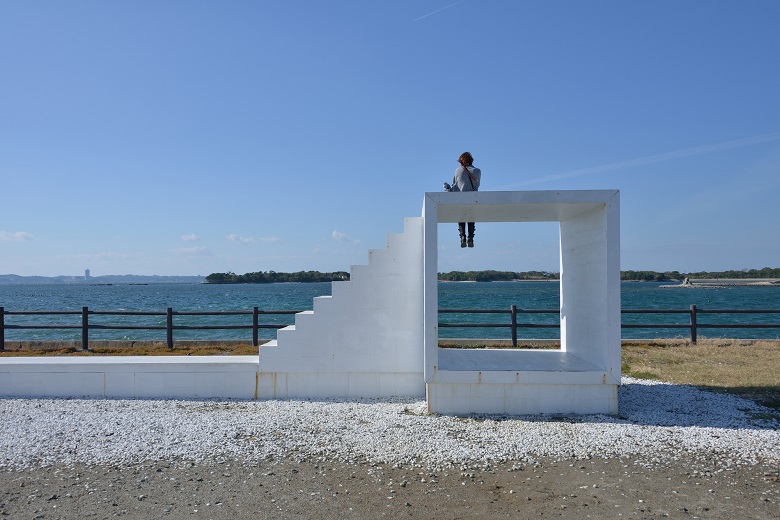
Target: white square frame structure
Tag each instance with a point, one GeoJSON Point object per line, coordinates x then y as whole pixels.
{"type": "Point", "coordinates": [581, 377]}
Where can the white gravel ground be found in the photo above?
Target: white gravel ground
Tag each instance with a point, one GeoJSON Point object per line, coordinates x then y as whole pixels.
{"type": "Point", "coordinates": [658, 422]}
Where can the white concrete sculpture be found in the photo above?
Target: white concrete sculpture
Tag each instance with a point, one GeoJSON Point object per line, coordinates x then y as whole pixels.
{"type": "Point", "coordinates": [365, 340]}
{"type": "Point", "coordinates": [583, 376]}
{"type": "Point", "coordinates": [377, 335]}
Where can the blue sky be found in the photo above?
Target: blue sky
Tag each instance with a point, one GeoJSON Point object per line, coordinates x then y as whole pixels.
{"type": "Point", "coordinates": [191, 137]}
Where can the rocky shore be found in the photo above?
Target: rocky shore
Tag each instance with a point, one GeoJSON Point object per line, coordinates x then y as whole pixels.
{"type": "Point", "coordinates": [693, 283]}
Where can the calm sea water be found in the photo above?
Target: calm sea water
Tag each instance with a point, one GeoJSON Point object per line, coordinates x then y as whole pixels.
{"type": "Point", "coordinates": [492, 295]}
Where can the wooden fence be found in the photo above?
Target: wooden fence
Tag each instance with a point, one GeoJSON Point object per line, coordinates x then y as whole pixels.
{"type": "Point", "coordinates": [515, 321]}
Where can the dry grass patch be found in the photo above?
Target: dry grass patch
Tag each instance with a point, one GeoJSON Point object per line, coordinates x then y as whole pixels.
{"type": "Point", "coordinates": [500, 344]}
{"type": "Point", "coordinates": [747, 368]}
{"type": "Point", "coordinates": [157, 349]}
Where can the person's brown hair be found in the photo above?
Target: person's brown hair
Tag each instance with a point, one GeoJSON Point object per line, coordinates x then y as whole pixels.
{"type": "Point", "coordinates": [466, 159]}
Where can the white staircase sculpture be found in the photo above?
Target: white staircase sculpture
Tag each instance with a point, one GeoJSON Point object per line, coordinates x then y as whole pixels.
{"type": "Point", "coordinates": [365, 340]}
{"type": "Point", "coordinates": [377, 335]}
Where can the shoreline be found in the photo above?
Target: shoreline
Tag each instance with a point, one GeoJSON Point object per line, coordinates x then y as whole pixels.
{"type": "Point", "coordinates": [701, 283]}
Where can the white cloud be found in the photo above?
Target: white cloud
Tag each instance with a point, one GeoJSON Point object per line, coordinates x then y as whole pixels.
{"type": "Point", "coordinates": [343, 237]}
{"type": "Point", "coordinates": [192, 251]}
{"type": "Point", "coordinates": [248, 240]}
{"type": "Point", "coordinates": [236, 238]}
{"type": "Point", "coordinates": [661, 157]}
{"type": "Point", "coordinates": [17, 236]}
{"type": "Point", "coordinates": [192, 237]}
{"type": "Point", "coordinates": [438, 11]}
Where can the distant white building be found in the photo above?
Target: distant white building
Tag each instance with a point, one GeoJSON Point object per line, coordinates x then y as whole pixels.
{"type": "Point", "coordinates": [86, 274]}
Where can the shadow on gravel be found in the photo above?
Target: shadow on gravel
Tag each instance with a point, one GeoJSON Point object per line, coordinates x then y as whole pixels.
{"type": "Point", "coordinates": [768, 396]}
{"type": "Point", "coordinates": [651, 403]}
{"type": "Point", "coordinates": [660, 404]}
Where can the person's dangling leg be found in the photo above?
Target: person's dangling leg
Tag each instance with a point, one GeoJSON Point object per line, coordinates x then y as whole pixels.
{"type": "Point", "coordinates": [471, 234]}
{"type": "Point", "coordinates": [462, 231]}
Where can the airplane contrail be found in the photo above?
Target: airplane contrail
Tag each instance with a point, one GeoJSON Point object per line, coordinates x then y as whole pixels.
{"type": "Point", "coordinates": [667, 156]}
{"type": "Point", "coordinates": [438, 10]}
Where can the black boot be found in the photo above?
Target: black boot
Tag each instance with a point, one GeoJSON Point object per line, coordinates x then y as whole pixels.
{"type": "Point", "coordinates": [462, 232]}
{"type": "Point", "coordinates": [471, 235]}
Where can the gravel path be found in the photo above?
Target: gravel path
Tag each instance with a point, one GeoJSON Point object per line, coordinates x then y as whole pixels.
{"type": "Point", "coordinates": [674, 451]}
{"type": "Point", "coordinates": [658, 422]}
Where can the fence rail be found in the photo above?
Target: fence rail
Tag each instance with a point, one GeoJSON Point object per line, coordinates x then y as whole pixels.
{"type": "Point", "coordinates": [514, 324]}
{"type": "Point", "coordinates": [169, 326]}
{"type": "Point", "coordinates": [693, 324]}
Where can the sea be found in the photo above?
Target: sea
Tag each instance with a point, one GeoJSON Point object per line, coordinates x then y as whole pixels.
{"type": "Point", "coordinates": [190, 297]}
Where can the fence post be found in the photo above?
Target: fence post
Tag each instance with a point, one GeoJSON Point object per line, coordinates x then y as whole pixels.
{"type": "Point", "coordinates": [255, 313]}
{"type": "Point", "coordinates": [169, 327]}
{"type": "Point", "coordinates": [694, 332]}
{"type": "Point", "coordinates": [84, 328]}
{"type": "Point", "coordinates": [513, 312]}
{"type": "Point", "coordinates": [2, 328]}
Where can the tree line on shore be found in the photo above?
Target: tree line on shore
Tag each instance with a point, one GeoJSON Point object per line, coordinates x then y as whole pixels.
{"type": "Point", "coordinates": [274, 277]}
{"type": "Point", "coordinates": [671, 276]}
{"type": "Point", "coordinates": [488, 276]}
{"type": "Point", "coordinates": [495, 276]}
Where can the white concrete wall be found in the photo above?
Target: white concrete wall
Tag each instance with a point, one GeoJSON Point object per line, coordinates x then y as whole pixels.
{"type": "Point", "coordinates": [584, 376]}
{"type": "Point", "coordinates": [377, 335]}
{"type": "Point", "coordinates": [590, 286]}
{"type": "Point", "coordinates": [225, 377]}
{"type": "Point", "coordinates": [363, 341]}
{"type": "Point", "coordinates": [522, 398]}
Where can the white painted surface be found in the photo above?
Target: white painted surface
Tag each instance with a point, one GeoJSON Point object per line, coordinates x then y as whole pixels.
{"type": "Point", "coordinates": [583, 376]}
{"type": "Point", "coordinates": [363, 341]}
{"type": "Point", "coordinates": [521, 398]}
{"type": "Point", "coordinates": [130, 376]}
{"type": "Point", "coordinates": [325, 385]}
{"type": "Point", "coordinates": [512, 360]}
{"type": "Point", "coordinates": [377, 335]}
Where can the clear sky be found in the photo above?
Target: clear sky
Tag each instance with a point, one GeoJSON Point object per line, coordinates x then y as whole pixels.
{"type": "Point", "coordinates": [191, 137]}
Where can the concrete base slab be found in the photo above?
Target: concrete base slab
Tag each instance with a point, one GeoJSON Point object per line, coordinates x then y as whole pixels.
{"type": "Point", "coordinates": [229, 377]}
{"type": "Point", "coordinates": [521, 399]}
{"type": "Point", "coordinates": [347, 385]}
{"type": "Point", "coordinates": [519, 382]}
{"type": "Point", "coordinates": [489, 359]}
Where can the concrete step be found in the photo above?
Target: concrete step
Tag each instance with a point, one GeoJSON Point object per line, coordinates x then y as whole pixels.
{"type": "Point", "coordinates": [323, 304]}
{"type": "Point", "coordinates": [356, 272]}
{"type": "Point", "coordinates": [303, 319]}
{"type": "Point", "coordinates": [395, 241]}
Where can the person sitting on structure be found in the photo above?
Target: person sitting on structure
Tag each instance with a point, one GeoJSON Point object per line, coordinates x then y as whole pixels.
{"type": "Point", "coordinates": [467, 178]}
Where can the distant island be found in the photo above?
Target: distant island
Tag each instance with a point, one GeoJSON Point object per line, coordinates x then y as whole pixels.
{"type": "Point", "coordinates": [98, 280]}
{"type": "Point", "coordinates": [675, 276]}
{"type": "Point", "coordinates": [274, 277]}
{"type": "Point", "coordinates": [626, 276]}
{"type": "Point", "coordinates": [497, 276]}
{"type": "Point", "coordinates": [316, 276]}
{"type": "Point", "coordinates": [491, 276]}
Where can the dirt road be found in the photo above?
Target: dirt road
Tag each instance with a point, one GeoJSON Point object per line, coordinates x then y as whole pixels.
{"type": "Point", "coordinates": [596, 488]}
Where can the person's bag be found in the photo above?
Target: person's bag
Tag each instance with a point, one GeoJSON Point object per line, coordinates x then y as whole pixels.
{"type": "Point", "coordinates": [447, 187]}
{"type": "Point", "coordinates": [471, 178]}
